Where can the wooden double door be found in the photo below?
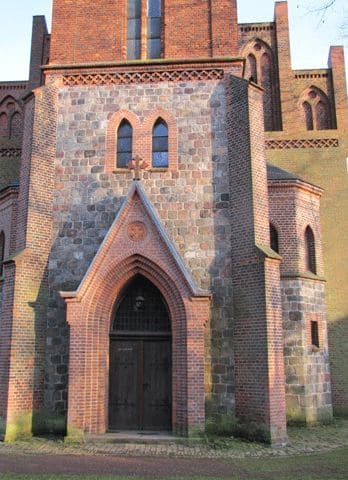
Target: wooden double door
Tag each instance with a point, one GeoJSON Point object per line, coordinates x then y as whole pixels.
{"type": "Point", "coordinates": [140, 390]}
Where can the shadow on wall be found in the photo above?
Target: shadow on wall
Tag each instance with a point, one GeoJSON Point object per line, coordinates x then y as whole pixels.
{"type": "Point", "coordinates": [46, 420]}
{"type": "Point", "coordinates": [338, 354]}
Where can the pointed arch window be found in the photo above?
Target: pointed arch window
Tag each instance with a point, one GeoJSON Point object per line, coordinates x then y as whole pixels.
{"type": "Point", "coordinates": [160, 144]}
{"type": "Point", "coordinates": [317, 109]}
{"type": "Point", "coordinates": [2, 252]}
{"type": "Point", "coordinates": [124, 144]}
{"type": "Point", "coordinates": [260, 68]}
{"type": "Point", "coordinates": [311, 264]}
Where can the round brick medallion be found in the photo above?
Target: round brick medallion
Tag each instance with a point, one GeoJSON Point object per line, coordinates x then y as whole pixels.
{"type": "Point", "coordinates": [136, 231]}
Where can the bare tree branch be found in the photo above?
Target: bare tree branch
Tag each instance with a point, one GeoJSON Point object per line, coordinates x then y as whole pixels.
{"type": "Point", "coordinates": [323, 10]}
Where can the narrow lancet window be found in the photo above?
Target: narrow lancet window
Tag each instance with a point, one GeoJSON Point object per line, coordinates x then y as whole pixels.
{"type": "Point", "coordinates": [315, 334]}
{"type": "Point", "coordinates": [124, 144]}
{"type": "Point", "coordinates": [160, 144]}
{"type": "Point", "coordinates": [134, 29]}
{"type": "Point", "coordinates": [311, 264]}
{"type": "Point", "coordinates": [154, 20]}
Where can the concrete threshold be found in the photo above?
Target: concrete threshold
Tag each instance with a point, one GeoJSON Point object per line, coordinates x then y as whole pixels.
{"type": "Point", "coordinates": [141, 437]}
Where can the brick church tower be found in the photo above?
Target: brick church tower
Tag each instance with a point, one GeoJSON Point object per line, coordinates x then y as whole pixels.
{"type": "Point", "coordinates": [156, 270]}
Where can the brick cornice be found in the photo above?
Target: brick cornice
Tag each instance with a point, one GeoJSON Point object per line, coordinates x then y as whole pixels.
{"type": "Point", "coordinates": [302, 276]}
{"type": "Point", "coordinates": [127, 65]}
{"type": "Point", "coordinates": [295, 183]}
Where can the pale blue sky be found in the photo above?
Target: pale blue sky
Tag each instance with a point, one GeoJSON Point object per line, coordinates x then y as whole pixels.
{"type": "Point", "coordinates": [310, 39]}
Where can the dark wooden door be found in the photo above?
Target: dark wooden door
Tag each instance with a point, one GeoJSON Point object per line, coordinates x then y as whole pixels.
{"type": "Point", "coordinates": [140, 360]}
{"type": "Point", "coordinates": [140, 384]}
{"type": "Point", "coordinates": [123, 385]}
{"type": "Point", "coordinates": [157, 385]}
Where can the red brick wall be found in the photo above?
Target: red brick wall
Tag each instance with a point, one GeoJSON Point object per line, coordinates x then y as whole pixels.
{"type": "Point", "coordinates": [95, 31]}
{"type": "Point", "coordinates": [258, 335]}
{"type": "Point", "coordinates": [25, 281]}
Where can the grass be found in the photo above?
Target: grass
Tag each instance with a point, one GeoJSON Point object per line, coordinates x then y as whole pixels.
{"type": "Point", "coordinates": [324, 466]}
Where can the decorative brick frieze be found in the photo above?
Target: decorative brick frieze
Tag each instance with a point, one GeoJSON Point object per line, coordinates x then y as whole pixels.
{"type": "Point", "coordinates": [128, 78]}
{"type": "Point", "coordinates": [10, 152]}
{"type": "Point", "coordinates": [255, 28]}
{"type": "Point", "coordinates": [302, 143]}
{"type": "Point", "coordinates": [13, 86]}
{"type": "Point", "coordinates": [310, 75]}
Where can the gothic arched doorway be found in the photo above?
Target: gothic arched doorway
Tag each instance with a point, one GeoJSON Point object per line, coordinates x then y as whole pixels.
{"type": "Point", "coordinates": [140, 393]}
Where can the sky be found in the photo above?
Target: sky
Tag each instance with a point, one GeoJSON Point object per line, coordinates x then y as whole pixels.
{"type": "Point", "coordinates": [310, 35]}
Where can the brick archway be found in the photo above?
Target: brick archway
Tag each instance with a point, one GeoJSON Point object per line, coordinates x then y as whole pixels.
{"type": "Point", "coordinates": [89, 314]}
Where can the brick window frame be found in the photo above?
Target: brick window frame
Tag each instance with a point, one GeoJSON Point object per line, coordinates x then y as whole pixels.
{"type": "Point", "coordinates": [111, 139]}
{"type": "Point", "coordinates": [148, 125]}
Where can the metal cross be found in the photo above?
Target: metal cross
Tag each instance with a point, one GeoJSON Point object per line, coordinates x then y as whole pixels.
{"type": "Point", "coordinates": [137, 164]}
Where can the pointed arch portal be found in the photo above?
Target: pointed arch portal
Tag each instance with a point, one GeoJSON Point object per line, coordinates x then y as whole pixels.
{"type": "Point", "coordinates": [136, 332]}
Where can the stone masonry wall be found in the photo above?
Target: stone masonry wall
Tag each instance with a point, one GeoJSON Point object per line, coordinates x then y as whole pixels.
{"type": "Point", "coordinates": [308, 387]}
{"type": "Point", "coordinates": [192, 202]}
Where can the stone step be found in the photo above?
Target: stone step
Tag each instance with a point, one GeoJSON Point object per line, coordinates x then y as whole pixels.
{"type": "Point", "coordinates": [139, 437]}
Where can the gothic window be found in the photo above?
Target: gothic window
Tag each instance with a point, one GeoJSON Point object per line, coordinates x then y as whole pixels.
{"type": "Point", "coordinates": [16, 125]}
{"type": "Point", "coordinates": [134, 29]}
{"type": "Point", "coordinates": [154, 18]}
{"type": "Point", "coordinates": [2, 252]}
{"type": "Point", "coordinates": [317, 110]}
{"type": "Point", "coordinates": [310, 251]}
{"type": "Point", "coordinates": [308, 115]}
{"type": "Point", "coordinates": [260, 69]}
{"type": "Point", "coordinates": [160, 144]}
{"type": "Point", "coordinates": [274, 238]}
{"type": "Point", "coordinates": [3, 125]}
{"type": "Point", "coordinates": [124, 144]}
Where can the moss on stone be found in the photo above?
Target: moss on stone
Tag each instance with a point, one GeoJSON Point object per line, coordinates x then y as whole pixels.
{"type": "Point", "coordinates": [19, 427]}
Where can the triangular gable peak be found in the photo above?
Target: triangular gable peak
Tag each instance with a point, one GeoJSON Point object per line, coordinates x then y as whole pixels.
{"type": "Point", "coordinates": [136, 231]}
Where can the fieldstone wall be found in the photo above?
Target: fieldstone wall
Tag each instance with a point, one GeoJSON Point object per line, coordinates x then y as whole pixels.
{"type": "Point", "coordinates": [192, 201]}
{"type": "Point", "coordinates": [308, 387]}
